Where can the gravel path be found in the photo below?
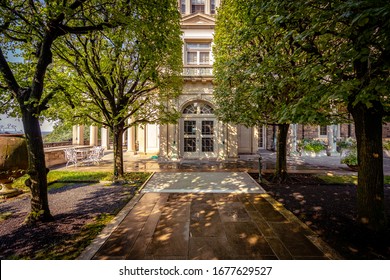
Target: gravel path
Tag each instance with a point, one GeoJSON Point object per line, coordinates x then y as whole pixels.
{"type": "Point", "coordinates": [71, 206]}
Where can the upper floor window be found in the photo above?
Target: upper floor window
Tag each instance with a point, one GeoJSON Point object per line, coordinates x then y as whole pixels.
{"type": "Point", "coordinates": [198, 53]}
{"type": "Point", "coordinates": [197, 6]}
{"type": "Point", "coordinates": [206, 109]}
{"type": "Point", "coordinates": [212, 7]}
{"type": "Point", "coordinates": [183, 6]}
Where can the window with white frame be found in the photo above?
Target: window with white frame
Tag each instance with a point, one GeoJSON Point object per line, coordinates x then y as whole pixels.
{"type": "Point", "coordinates": [198, 53]}
{"type": "Point", "coordinates": [212, 7]}
{"type": "Point", "coordinates": [183, 6]}
{"type": "Point", "coordinates": [197, 6]}
{"type": "Point", "coordinates": [323, 130]}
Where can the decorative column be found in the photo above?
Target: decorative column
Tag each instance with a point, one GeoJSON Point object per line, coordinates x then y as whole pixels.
{"type": "Point", "coordinates": [335, 136]}
{"type": "Point", "coordinates": [124, 138]}
{"type": "Point", "coordinates": [294, 135]}
{"type": "Point", "coordinates": [78, 135]}
{"type": "Point", "coordinates": [332, 132]}
{"type": "Point", "coordinates": [131, 140]}
{"type": "Point", "coordinates": [173, 141]}
{"type": "Point", "coordinates": [105, 138]}
{"type": "Point", "coordinates": [188, 7]}
{"type": "Point", "coordinates": [142, 139]}
{"type": "Point", "coordinates": [163, 141]}
{"type": "Point", "coordinates": [207, 9]}
{"type": "Point", "coordinates": [93, 136]}
{"type": "Point", "coordinates": [221, 140]}
{"type": "Point", "coordinates": [232, 144]}
{"type": "Point", "coordinates": [74, 135]}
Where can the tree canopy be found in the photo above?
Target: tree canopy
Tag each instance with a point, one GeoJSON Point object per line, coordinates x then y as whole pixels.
{"type": "Point", "coordinates": [349, 45]}
{"type": "Point", "coordinates": [258, 72]}
{"type": "Point", "coordinates": [123, 76]}
{"type": "Point", "coordinates": [31, 29]}
{"type": "Point", "coordinates": [329, 57]}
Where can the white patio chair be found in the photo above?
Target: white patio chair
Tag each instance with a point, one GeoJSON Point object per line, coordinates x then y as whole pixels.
{"type": "Point", "coordinates": [101, 153]}
{"type": "Point", "coordinates": [70, 156]}
{"type": "Point", "coordinates": [95, 155]}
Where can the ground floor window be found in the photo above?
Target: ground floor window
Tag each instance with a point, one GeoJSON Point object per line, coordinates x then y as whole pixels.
{"type": "Point", "coordinates": [261, 137]}
{"type": "Point", "coordinates": [323, 130]}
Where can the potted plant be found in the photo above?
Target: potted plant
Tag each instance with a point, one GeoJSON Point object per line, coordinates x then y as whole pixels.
{"type": "Point", "coordinates": [314, 146]}
{"type": "Point", "coordinates": [351, 161]}
{"type": "Point", "coordinates": [13, 162]}
{"type": "Point", "coordinates": [386, 148]}
{"type": "Point", "coordinates": [343, 145]}
{"type": "Point", "coordinates": [300, 146]}
{"type": "Point", "coordinates": [328, 150]}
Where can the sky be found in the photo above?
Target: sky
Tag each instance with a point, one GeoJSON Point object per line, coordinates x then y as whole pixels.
{"type": "Point", "coordinates": [5, 121]}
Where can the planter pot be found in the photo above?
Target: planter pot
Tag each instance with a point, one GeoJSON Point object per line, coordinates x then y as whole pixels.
{"type": "Point", "coordinates": [353, 167]}
{"type": "Point", "coordinates": [314, 154]}
{"type": "Point", "coordinates": [13, 161]}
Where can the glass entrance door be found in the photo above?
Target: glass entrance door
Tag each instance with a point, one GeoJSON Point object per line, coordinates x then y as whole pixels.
{"type": "Point", "coordinates": [198, 138]}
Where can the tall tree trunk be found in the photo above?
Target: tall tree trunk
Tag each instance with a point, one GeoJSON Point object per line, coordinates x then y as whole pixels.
{"type": "Point", "coordinates": [118, 151]}
{"type": "Point", "coordinates": [370, 191]}
{"type": "Point", "coordinates": [281, 153]}
{"type": "Point", "coordinates": [36, 170]}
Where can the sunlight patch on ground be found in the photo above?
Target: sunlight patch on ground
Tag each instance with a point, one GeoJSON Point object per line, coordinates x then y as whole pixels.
{"type": "Point", "coordinates": [203, 182]}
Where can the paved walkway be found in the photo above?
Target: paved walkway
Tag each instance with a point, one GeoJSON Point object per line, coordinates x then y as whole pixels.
{"type": "Point", "coordinates": [207, 224]}
{"type": "Point", "coordinates": [249, 163]}
{"type": "Point", "coordinates": [201, 182]}
{"type": "Point", "coordinates": [192, 209]}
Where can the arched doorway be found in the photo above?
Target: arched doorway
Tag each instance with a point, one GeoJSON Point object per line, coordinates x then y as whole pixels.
{"type": "Point", "coordinates": [198, 131]}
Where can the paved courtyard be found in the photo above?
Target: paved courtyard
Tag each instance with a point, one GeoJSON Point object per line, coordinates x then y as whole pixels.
{"type": "Point", "coordinates": [200, 182]}
{"type": "Point", "coordinates": [170, 222]}
{"type": "Point", "coordinates": [246, 163]}
{"type": "Point", "coordinates": [193, 209]}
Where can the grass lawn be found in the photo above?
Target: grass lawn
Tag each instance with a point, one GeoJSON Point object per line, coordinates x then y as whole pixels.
{"type": "Point", "coordinates": [344, 179]}
{"type": "Point", "coordinates": [59, 178]}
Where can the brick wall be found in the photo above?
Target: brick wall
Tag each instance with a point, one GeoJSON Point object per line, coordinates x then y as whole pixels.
{"type": "Point", "coordinates": [347, 130]}
{"type": "Point", "coordinates": [386, 130]}
{"type": "Point", "coordinates": [307, 131]}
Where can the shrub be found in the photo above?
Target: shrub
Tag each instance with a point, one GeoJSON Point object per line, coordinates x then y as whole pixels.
{"type": "Point", "coordinates": [313, 145]}
{"type": "Point", "coordinates": [386, 145]}
{"type": "Point", "coordinates": [346, 144]}
{"type": "Point", "coordinates": [350, 159]}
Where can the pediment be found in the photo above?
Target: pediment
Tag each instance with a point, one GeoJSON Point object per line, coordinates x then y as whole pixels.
{"type": "Point", "coordinates": [198, 20]}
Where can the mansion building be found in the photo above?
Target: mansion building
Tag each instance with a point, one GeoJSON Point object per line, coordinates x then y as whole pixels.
{"type": "Point", "coordinates": [199, 134]}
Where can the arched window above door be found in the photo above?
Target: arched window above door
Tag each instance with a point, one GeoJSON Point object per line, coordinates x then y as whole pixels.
{"type": "Point", "coordinates": [206, 109]}
{"type": "Point", "coordinates": [190, 109]}
{"type": "Point", "coordinates": [196, 108]}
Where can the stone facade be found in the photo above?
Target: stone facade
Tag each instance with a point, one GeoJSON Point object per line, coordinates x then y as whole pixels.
{"type": "Point", "coordinates": [199, 134]}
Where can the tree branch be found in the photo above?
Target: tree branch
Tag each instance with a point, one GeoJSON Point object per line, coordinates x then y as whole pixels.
{"type": "Point", "coordinates": [43, 105]}
{"type": "Point", "coordinates": [83, 29]}
{"type": "Point", "coordinates": [8, 75]}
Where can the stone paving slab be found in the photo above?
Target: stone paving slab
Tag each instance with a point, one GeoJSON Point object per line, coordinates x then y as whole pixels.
{"type": "Point", "coordinates": [211, 226]}
{"type": "Point", "coordinates": [203, 182]}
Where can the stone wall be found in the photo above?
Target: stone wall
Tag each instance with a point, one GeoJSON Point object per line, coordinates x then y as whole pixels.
{"type": "Point", "coordinates": [54, 156]}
